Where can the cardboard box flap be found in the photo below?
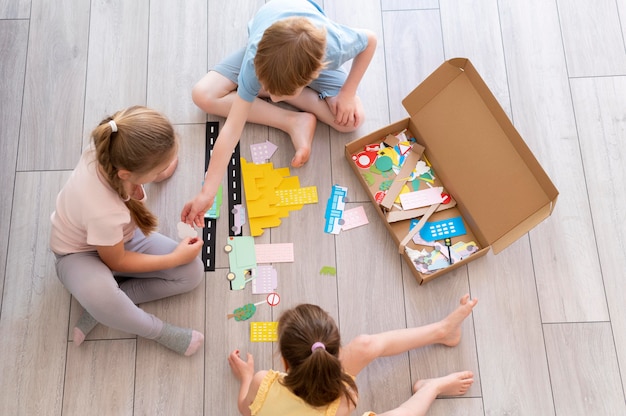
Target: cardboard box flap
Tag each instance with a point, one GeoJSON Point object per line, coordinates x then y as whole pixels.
{"type": "Point", "coordinates": [478, 154]}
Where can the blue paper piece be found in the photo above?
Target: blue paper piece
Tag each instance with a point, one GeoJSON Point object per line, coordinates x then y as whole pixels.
{"type": "Point", "coordinates": [439, 230]}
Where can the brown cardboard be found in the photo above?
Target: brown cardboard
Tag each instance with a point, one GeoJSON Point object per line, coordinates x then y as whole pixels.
{"type": "Point", "coordinates": [500, 189]}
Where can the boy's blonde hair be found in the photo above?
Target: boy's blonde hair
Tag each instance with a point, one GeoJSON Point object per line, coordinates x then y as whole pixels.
{"type": "Point", "coordinates": [144, 140]}
{"type": "Point", "coordinates": [290, 55]}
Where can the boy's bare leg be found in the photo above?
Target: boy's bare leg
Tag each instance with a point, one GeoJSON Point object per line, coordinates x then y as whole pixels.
{"type": "Point", "coordinates": [215, 94]}
{"type": "Point", "coordinates": [365, 348]}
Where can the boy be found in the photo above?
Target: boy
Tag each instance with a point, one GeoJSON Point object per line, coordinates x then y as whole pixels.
{"type": "Point", "coordinates": [294, 54]}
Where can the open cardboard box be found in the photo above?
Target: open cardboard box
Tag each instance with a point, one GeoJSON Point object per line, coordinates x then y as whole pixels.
{"type": "Point", "coordinates": [500, 190]}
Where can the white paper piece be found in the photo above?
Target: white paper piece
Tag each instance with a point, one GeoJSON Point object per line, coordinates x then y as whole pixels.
{"type": "Point", "coordinates": [423, 198]}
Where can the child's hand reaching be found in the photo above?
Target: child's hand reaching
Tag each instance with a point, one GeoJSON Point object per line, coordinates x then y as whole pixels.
{"type": "Point", "coordinates": [243, 370]}
{"type": "Point", "coordinates": [346, 108]}
{"type": "Point", "coordinates": [188, 249]}
{"type": "Point", "coordinates": [193, 211]}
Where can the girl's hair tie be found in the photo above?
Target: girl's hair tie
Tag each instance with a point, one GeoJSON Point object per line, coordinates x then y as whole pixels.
{"type": "Point", "coordinates": [317, 345]}
{"type": "Point", "coordinates": [113, 126]}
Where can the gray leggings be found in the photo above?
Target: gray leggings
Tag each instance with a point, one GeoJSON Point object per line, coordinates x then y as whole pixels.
{"type": "Point", "coordinates": [95, 287]}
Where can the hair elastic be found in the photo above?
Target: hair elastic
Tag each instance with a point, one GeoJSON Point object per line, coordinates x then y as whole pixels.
{"type": "Point", "coordinates": [113, 126]}
{"type": "Point", "coordinates": [317, 345]}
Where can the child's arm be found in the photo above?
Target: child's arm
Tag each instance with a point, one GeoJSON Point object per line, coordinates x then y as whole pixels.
{"type": "Point", "coordinates": [193, 211]}
{"type": "Point", "coordinates": [121, 260]}
{"type": "Point", "coordinates": [249, 382]}
{"type": "Point", "coordinates": [344, 106]}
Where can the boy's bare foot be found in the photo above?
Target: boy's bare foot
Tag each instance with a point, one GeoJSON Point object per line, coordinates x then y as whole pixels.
{"type": "Point", "coordinates": [454, 384]}
{"type": "Point", "coordinates": [167, 172]}
{"type": "Point", "coordinates": [302, 132]}
{"type": "Point", "coordinates": [452, 323]}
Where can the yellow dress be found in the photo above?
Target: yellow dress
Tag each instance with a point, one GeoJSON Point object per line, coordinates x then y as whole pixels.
{"type": "Point", "coordinates": [274, 399]}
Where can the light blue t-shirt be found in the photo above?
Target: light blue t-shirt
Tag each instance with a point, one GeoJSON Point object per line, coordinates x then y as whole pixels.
{"type": "Point", "coordinates": [342, 42]}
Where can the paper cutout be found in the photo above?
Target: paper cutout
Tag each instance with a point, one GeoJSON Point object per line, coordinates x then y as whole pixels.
{"type": "Point", "coordinates": [274, 253]}
{"type": "Point", "coordinates": [261, 183]}
{"type": "Point", "coordinates": [439, 230]}
{"type": "Point", "coordinates": [266, 279]}
{"type": "Point", "coordinates": [242, 259]}
{"type": "Point", "coordinates": [263, 331]}
{"type": "Point", "coordinates": [419, 199]}
{"type": "Point", "coordinates": [328, 270]}
{"type": "Point", "coordinates": [297, 196]}
{"type": "Point", "coordinates": [354, 217]}
{"type": "Point", "coordinates": [214, 211]}
{"type": "Point", "coordinates": [334, 209]}
{"type": "Point", "coordinates": [239, 214]}
{"type": "Point", "coordinates": [186, 230]}
{"type": "Point", "coordinates": [262, 152]}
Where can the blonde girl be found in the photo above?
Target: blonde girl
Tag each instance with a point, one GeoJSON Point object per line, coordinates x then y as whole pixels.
{"type": "Point", "coordinates": [319, 377]}
{"type": "Point", "coordinates": [108, 254]}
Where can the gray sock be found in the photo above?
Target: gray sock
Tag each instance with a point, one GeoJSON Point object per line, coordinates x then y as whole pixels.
{"type": "Point", "coordinates": [86, 323]}
{"type": "Point", "coordinates": [175, 338]}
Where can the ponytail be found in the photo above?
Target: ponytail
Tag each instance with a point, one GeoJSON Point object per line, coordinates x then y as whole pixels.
{"type": "Point", "coordinates": [136, 139]}
{"type": "Point", "coordinates": [315, 373]}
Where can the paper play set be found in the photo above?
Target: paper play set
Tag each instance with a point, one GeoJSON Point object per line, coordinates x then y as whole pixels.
{"type": "Point", "coordinates": [455, 178]}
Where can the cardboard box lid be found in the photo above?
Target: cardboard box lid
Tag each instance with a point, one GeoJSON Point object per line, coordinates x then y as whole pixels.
{"type": "Point", "coordinates": [500, 188]}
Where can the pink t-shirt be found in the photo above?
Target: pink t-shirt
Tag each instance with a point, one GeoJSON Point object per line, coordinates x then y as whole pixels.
{"type": "Point", "coordinates": [88, 211]}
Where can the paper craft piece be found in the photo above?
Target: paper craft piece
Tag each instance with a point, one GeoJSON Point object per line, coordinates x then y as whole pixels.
{"type": "Point", "coordinates": [239, 215]}
{"type": "Point", "coordinates": [242, 260]}
{"type": "Point", "coordinates": [262, 152]}
{"type": "Point", "coordinates": [439, 230]}
{"type": "Point", "coordinates": [185, 230]}
{"type": "Point", "coordinates": [462, 250]}
{"type": "Point", "coordinates": [246, 311]}
{"type": "Point", "coordinates": [274, 253]}
{"type": "Point", "coordinates": [354, 217]}
{"type": "Point", "coordinates": [263, 331]}
{"type": "Point", "coordinates": [260, 184]}
{"type": "Point", "coordinates": [297, 196]}
{"type": "Point", "coordinates": [328, 270]}
{"type": "Point", "coordinates": [424, 198]}
{"type": "Point", "coordinates": [214, 211]}
{"type": "Point", "coordinates": [266, 279]}
{"type": "Point", "coordinates": [334, 209]}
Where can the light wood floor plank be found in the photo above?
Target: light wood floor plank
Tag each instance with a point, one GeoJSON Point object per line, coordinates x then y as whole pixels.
{"type": "Point", "coordinates": [471, 29]}
{"type": "Point", "coordinates": [225, 335]}
{"type": "Point", "coordinates": [542, 112]}
{"type": "Point", "coordinates": [513, 370]}
{"type": "Point", "coordinates": [168, 383]}
{"type": "Point", "coordinates": [177, 58]}
{"type": "Point", "coordinates": [430, 303]}
{"type": "Point", "coordinates": [584, 369]}
{"type": "Point", "coordinates": [370, 284]}
{"type": "Point", "coordinates": [100, 375]}
{"type": "Point", "coordinates": [35, 310]}
{"type": "Point", "coordinates": [592, 37]}
{"type": "Point", "coordinates": [413, 49]}
{"type": "Point", "coordinates": [54, 93]}
{"type": "Point", "coordinates": [121, 30]}
{"type": "Point", "coordinates": [409, 4]}
{"type": "Point", "coordinates": [598, 104]}
{"type": "Point", "coordinates": [457, 407]}
{"type": "Point", "coordinates": [13, 41]}
{"type": "Point", "coordinates": [14, 9]}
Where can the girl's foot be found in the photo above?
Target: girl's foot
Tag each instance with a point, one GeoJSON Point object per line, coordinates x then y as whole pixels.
{"type": "Point", "coordinates": [301, 135]}
{"type": "Point", "coordinates": [455, 384]}
{"type": "Point", "coordinates": [452, 323]}
{"type": "Point", "coordinates": [83, 327]}
{"type": "Point", "coordinates": [184, 341]}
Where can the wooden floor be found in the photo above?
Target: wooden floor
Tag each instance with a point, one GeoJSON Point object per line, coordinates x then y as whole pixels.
{"type": "Point", "coordinates": [549, 334]}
